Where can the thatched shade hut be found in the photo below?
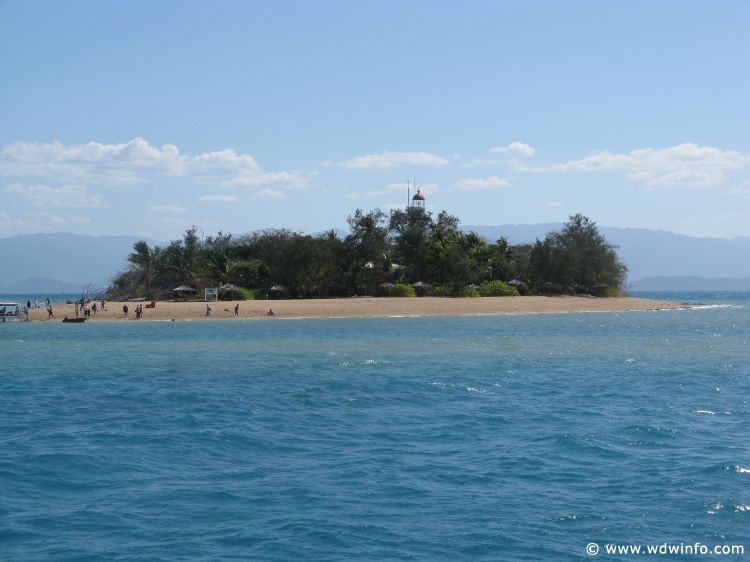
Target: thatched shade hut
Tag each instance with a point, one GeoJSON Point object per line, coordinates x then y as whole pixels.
{"type": "Point", "coordinates": [277, 291]}
{"type": "Point", "coordinates": [182, 291]}
{"type": "Point", "coordinates": [231, 288]}
{"type": "Point", "coordinates": [385, 288]}
{"type": "Point", "coordinates": [421, 288]}
{"type": "Point", "coordinates": [550, 288]}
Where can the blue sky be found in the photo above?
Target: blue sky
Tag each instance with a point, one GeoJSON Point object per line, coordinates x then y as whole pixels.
{"type": "Point", "coordinates": [147, 117]}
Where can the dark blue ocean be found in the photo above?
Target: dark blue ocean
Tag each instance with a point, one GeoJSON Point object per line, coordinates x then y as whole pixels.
{"type": "Point", "coordinates": [473, 438]}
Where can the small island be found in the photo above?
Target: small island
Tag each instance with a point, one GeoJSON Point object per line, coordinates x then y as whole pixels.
{"type": "Point", "coordinates": [409, 253]}
{"type": "Point", "coordinates": [372, 271]}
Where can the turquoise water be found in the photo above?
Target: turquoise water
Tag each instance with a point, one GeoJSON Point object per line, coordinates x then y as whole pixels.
{"type": "Point", "coordinates": [481, 438]}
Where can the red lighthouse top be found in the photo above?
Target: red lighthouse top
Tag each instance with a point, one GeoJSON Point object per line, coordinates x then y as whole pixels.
{"type": "Point", "coordinates": [418, 196]}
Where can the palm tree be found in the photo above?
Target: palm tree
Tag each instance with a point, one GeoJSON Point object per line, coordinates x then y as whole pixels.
{"type": "Point", "coordinates": [143, 258]}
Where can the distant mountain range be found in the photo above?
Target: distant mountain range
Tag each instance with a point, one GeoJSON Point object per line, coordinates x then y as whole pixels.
{"type": "Point", "coordinates": [61, 263]}
{"type": "Point", "coordinates": [657, 259]}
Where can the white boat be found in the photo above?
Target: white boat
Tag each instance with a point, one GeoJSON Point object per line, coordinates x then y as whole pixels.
{"type": "Point", "coordinates": [10, 312]}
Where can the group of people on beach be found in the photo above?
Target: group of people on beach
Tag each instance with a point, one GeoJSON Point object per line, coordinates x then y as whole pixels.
{"type": "Point", "coordinates": [138, 310]}
{"type": "Point", "coordinates": [81, 307]}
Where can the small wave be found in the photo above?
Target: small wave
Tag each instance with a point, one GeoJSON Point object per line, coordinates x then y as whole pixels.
{"type": "Point", "coordinates": [707, 412]}
{"type": "Point", "coordinates": [442, 384]}
{"type": "Point", "coordinates": [715, 508]}
{"type": "Point", "coordinates": [574, 517]}
{"type": "Point", "coordinates": [742, 469]}
{"type": "Point", "coordinates": [743, 507]}
{"type": "Point", "coordinates": [477, 390]}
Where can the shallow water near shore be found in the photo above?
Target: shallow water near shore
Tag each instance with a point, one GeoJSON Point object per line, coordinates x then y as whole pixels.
{"type": "Point", "coordinates": [481, 438]}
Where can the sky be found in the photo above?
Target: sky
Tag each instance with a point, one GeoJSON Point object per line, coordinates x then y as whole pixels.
{"type": "Point", "coordinates": [144, 118]}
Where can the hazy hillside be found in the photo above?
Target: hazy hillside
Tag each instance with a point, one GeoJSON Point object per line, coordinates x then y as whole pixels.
{"type": "Point", "coordinates": [36, 261]}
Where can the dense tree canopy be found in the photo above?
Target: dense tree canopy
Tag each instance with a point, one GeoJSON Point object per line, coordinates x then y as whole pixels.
{"type": "Point", "coordinates": [407, 247]}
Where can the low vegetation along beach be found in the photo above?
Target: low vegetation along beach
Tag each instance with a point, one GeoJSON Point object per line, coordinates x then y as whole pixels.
{"type": "Point", "coordinates": [360, 307]}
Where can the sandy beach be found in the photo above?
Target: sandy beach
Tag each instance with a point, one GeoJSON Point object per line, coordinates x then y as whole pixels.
{"type": "Point", "coordinates": [361, 307]}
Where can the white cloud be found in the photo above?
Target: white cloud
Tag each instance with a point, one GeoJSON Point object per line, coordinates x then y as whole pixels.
{"type": "Point", "coordinates": [685, 165]}
{"type": "Point", "coordinates": [270, 194]}
{"type": "Point", "coordinates": [517, 148]}
{"type": "Point", "coordinates": [63, 196]}
{"type": "Point", "coordinates": [222, 162]}
{"type": "Point", "coordinates": [218, 199]}
{"type": "Point", "coordinates": [111, 164]}
{"type": "Point", "coordinates": [281, 179]}
{"type": "Point", "coordinates": [46, 222]}
{"type": "Point", "coordinates": [134, 162]}
{"type": "Point", "coordinates": [491, 182]}
{"type": "Point", "coordinates": [481, 162]}
{"type": "Point", "coordinates": [167, 209]}
{"type": "Point", "coordinates": [387, 160]}
{"type": "Point", "coordinates": [5, 221]}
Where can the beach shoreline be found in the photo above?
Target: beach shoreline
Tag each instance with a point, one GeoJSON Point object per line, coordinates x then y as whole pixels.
{"type": "Point", "coordinates": [359, 307]}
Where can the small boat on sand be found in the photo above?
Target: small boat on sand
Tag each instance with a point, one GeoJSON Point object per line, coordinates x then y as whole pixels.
{"type": "Point", "coordinates": [76, 320]}
{"type": "Point", "coordinates": [10, 312]}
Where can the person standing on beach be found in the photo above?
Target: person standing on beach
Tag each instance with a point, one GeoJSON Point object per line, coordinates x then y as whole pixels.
{"type": "Point", "coordinates": [46, 302]}
{"type": "Point", "coordinates": [208, 309]}
{"type": "Point", "coordinates": [125, 309]}
{"type": "Point", "coordinates": [237, 309]}
{"type": "Point", "coordinates": [49, 313]}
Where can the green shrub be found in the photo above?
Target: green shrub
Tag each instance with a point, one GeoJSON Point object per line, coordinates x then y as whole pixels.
{"type": "Point", "coordinates": [497, 289]}
{"type": "Point", "coordinates": [402, 290]}
{"type": "Point", "coordinates": [245, 294]}
{"type": "Point", "coordinates": [441, 291]}
{"type": "Point", "coordinates": [468, 292]}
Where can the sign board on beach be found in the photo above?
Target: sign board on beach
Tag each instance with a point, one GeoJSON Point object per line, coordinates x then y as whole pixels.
{"type": "Point", "coordinates": [211, 293]}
